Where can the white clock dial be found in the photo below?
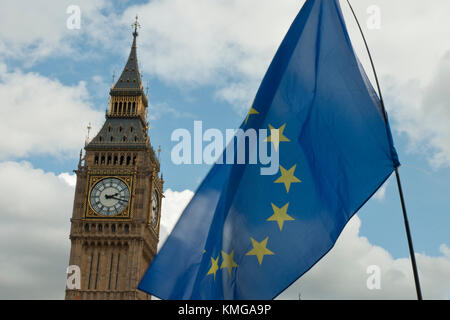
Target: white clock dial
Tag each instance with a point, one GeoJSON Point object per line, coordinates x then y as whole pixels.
{"type": "Point", "coordinates": [110, 196]}
{"type": "Point", "coordinates": [155, 209]}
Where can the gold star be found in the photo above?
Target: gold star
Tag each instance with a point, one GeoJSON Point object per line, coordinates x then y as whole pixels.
{"type": "Point", "coordinates": [279, 136]}
{"type": "Point", "coordinates": [252, 111]}
{"type": "Point", "coordinates": [287, 177]}
{"type": "Point", "coordinates": [214, 267]}
{"type": "Point", "coordinates": [280, 215]}
{"type": "Point", "coordinates": [228, 262]}
{"type": "Point", "coordinates": [259, 249]}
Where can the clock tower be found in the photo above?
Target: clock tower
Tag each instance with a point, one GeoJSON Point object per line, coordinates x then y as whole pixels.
{"type": "Point", "coordinates": [116, 213]}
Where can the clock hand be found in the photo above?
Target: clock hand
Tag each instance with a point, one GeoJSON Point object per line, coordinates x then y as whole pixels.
{"type": "Point", "coordinates": [112, 197]}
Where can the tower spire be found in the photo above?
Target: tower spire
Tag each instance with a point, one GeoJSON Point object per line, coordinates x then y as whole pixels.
{"type": "Point", "coordinates": [127, 94]}
{"type": "Point", "coordinates": [115, 163]}
{"type": "Point", "coordinates": [89, 127]}
{"type": "Point", "coordinates": [130, 79]}
{"type": "Point", "coordinates": [136, 25]}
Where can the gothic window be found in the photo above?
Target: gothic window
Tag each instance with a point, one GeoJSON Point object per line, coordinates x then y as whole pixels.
{"type": "Point", "coordinates": [109, 159]}
{"type": "Point", "coordinates": [96, 273]}
{"type": "Point", "coordinates": [115, 159]}
{"type": "Point", "coordinates": [100, 228]}
{"type": "Point", "coordinates": [113, 228]}
{"type": "Point", "coordinates": [134, 160]}
{"type": "Point", "coordinates": [117, 269]}
{"type": "Point", "coordinates": [122, 158]}
{"type": "Point", "coordinates": [112, 138]}
{"type": "Point", "coordinates": [90, 271]}
{"type": "Point", "coordinates": [103, 160]}
{"type": "Point", "coordinates": [129, 107]}
{"type": "Point", "coordinates": [110, 271]}
{"type": "Point", "coordinates": [120, 107]}
{"type": "Point", "coordinates": [86, 227]}
{"type": "Point", "coordinates": [134, 107]}
{"type": "Point", "coordinates": [127, 228]}
{"type": "Point", "coordinates": [135, 138]}
{"type": "Point", "coordinates": [128, 160]}
{"type": "Point", "coordinates": [96, 159]}
{"type": "Point", "coordinates": [115, 107]}
{"type": "Point", "coordinates": [100, 138]}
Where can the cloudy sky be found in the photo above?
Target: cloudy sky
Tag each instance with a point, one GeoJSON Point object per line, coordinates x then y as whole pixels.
{"type": "Point", "coordinates": [204, 60]}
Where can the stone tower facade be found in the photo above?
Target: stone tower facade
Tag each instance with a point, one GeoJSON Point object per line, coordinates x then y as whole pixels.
{"type": "Point", "coordinates": [116, 213]}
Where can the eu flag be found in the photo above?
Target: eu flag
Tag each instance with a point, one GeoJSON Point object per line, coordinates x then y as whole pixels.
{"type": "Point", "coordinates": [249, 236]}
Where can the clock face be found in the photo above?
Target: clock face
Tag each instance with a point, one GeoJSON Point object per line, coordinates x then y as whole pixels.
{"type": "Point", "coordinates": [110, 196]}
{"type": "Point", "coordinates": [155, 209]}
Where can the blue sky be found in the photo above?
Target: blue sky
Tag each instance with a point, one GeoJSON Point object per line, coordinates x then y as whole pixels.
{"type": "Point", "coordinates": [201, 66]}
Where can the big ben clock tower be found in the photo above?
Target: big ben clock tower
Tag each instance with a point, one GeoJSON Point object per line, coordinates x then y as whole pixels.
{"type": "Point", "coordinates": [116, 213]}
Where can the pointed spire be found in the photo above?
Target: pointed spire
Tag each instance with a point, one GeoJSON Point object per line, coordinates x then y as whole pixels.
{"type": "Point", "coordinates": [89, 127]}
{"type": "Point", "coordinates": [113, 77]}
{"type": "Point", "coordinates": [136, 25]}
{"type": "Point", "coordinates": [130, 79]}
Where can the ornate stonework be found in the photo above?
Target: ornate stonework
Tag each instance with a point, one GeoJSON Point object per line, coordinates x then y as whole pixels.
{"type": "Point", "coordinates": [115, 226]}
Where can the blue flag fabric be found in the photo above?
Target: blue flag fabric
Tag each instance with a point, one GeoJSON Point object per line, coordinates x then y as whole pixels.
{"type": "Point", "coordinates": [249, 236]}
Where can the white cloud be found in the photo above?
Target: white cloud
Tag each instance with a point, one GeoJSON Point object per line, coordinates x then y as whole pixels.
{"type": "Point", "coordinates": [158, 110]}
{"type": "Point", "coordinates": [172, 207]}
{"type": "Point", "coordinates": [230, 45]}
{"type": "Point", "coordinates": [70, 179]}
{"type": "Point", "coordinates": [97, 79]}
{"type": "Point", "coordinates": [342, 273]}
{"type": "Point", "coordinates": [196, 41]}
{"type": "Point", "coordinates": [421, 110]}
{"type": "Point", "coordinates": [36, 208]}
{"type": "Point", "coordinates": [381, 192]}
{"type": "Point", "coordinates": [445, 250]}
{"type": "Point", "coordinates": [412, 62]}
{"type": "Point", "coordinates": [410, 41]}
{"type": "Point", "coordinates": [239, 95]}
{"type": "Point", "coordinates": [206, 42]}
{"type": "Point", "coordinates": [33, 30]}
{"type": "Point", "coordinates": [42, 116]}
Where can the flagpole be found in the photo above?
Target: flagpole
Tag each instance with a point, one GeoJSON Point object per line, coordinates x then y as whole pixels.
{"type": "Point", "coordinates": [397, 175]}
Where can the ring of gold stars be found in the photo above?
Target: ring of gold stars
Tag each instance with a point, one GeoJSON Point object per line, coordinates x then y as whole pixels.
{"type": "Point", "coordinates": [280, 215]}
